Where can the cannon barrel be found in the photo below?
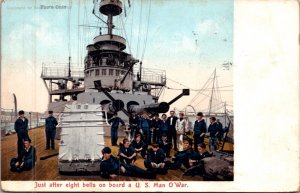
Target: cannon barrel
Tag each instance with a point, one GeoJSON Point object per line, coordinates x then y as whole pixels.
{"type": "Point", "coordinates": [161, 107]}
{"type": "Point", "coordinates": [113, 107]}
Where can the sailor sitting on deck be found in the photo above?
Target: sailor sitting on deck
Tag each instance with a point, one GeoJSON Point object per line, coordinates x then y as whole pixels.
{"type": "Point", "coordinates": [126, 152]}
{"type": "Point", "coordinates": [165, 144]}
{"type": "Point", "coordinates": [156, 160]}
{"type": "Point", "coordinates": [182, 157]}
{"type": "Point", "coordinates": [199, 155]}
{"type": "Point", "coordinates": [139, 145]}
{"type": "Point", "coordinates": [110, 167]}
{"type": "Point", "coordinates": [195, 160]}
{"type": "Point", "coordinates": [26, 159]}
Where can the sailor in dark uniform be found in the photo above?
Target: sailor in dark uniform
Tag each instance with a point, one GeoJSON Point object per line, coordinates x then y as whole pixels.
{"type": "Point", "coordinates": [182, 157]}
{"type": "Point", "coordinates": [156, 123]}
{"type": "Point", "coordinates": [26, 159]}
{"type": "Point", "coordinates": [213, 131]}
{"type": "Point", "coordinates": [164, 127]}
{"type": "Point", "coordinates": [220, 129]}
{"type": "Point", "coordinates": [127, 153]}
{"type": "Point", "coordinates": [133, 125]}
{"type": "Point", "coordinates": [199, 155]}
{"type": "Point", "coordinates": [115, 121]}
{"type": "Point", "coordinates": [50, 130]}
{"type": "Point", "coordinates": [110, 167]}
{"type": "Point", "coordinates": [139, 145]}
{"type": "Point", "coordinates": [21, 127]}
{"type": "Point", "coordinates": [165, 145]}
{"type": "Point", "coordinates": [199, 130]}
{"type": "Point", "coordinates": [172, 130]}
{"type": "Point", "coordinates": [144, 125]}
{"type": "Point", "coordinates": [156, 160]}
{"type": "Point", "coordinates": [196, 166]}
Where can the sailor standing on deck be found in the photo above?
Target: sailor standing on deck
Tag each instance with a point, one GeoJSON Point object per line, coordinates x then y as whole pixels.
{"type": "Point", "coordinates": [163, 127]}
{"type": "Point", "coordinates": [115, 122]}
{"type": "Point", "coordinates": [172, 131]}
{"type": "Point", "coordinates": [21, 127]}
{"type": "Point", "coordinates": [199, 130]}
{"type": "Point", "coordinates": [156, 122]}
{"type": "Point", "coordinates": [180, 130]}
{"type": "Point", "coordinates": [144, 125]}
{"type": "Point", "coordinates": [133, 125]}
{"type": "Point", "coordinates": [213, 131]}
{"type": "Point", "coordinates": [50, 129]}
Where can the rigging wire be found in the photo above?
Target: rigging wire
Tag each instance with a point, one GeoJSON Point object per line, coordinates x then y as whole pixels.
{"type": "Point", "coordinates": [196, 90]}
{"type": "Point", "coordinates": [131, 24]}
{"type": "Point", "coordinates": [69, 26]}
{"type": "Point", "coordinates": [123, 26]}
{"type": "Point", "coordinates": [147, 29]}
{"type": "Point", "coordinates": [78, 33]}
{"type": "Point", "coordinates": [139, 34]}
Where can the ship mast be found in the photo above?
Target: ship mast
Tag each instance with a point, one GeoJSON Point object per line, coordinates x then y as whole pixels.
{"type": "Point", "coordinates": [212, 94]}
{"type": "Point", "coordinates": [106, 62]}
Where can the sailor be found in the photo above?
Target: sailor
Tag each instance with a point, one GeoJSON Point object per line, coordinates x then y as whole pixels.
{"type": "Point", "coordinates": [50, 130]}
{"type": "Point", "coordinates": [144, 125]}
{"type": "Point", "coordinates": [172, 131]}
{"type": "Point", "coordinates": [180, 127]}
{"type": "Point", "coordinates": [199, 155]}
{"type": "Point", "coordinates": [127, 153]}
{"type": "Point", "coordinates": [156, 122]}
{"type": "Point", "coordinates": [196, 166]}
{"type": "Point", "coordinates": [199, 130]}
{"type": "Point", "coordinates": [26, 159]}
{"type": "Point", "coordinates": [165, 145]}
{"type": "Point", "coordinates": [21, 127]}
{"type": "Point", "coordinates": [110, 167]}
{"type": "Point", "coordinates": [213, 131]}
{"type": "Point", "coordinates": [115, 122]}
{"type": "Point", "coordinates": [139, 145]}
{"type": "Point", "coordinates": [182, 157]}
{"type": "Point", "coordinates": [133, 125]}
{"type": "Point", "coordinates": [220, 129]}
{"type": "Point", "coordinates": [156, 160]}
{"type": "Point", "coordinates": [163, 128]}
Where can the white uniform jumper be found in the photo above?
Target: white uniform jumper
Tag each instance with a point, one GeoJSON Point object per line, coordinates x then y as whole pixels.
{"type": "Point", "coordinates": [180, 129]}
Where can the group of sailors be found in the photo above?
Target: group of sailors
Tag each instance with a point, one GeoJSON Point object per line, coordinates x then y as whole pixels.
{"type": "Point", "coordinates": [152, 129]}
{"type": "Point", "coordinates": [26, 153]}
{"type": "Point", "coordinates": [153, 138]}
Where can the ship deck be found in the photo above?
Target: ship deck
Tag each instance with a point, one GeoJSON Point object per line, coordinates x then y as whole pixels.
{"type": "Point", "coordinates": [48, 169]}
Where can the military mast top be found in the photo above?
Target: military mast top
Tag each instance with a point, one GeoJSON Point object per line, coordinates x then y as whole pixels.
{"type": "Point", "coordinates": [106, 62]}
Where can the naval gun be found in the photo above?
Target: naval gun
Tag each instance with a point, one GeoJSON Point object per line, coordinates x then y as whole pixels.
{"type": "Point", "coordinates": [111, 85]}
{"type": "Point", "coordinates": [133, 106]}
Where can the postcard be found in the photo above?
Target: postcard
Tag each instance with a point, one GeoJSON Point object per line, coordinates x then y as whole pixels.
{"type": "Point", "coordinates": [149, 95]}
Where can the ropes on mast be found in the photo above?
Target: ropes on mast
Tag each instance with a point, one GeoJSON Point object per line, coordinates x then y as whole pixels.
{"type": "Point", "coordinates": [69, 27]}
{"type": "Point", "coordinates": [145, 42]}
{"type": "Point", "coordinates": [139, 34]}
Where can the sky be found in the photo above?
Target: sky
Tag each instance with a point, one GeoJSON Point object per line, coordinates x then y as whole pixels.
{"type": "Point", "coordinates": [188, 39]}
